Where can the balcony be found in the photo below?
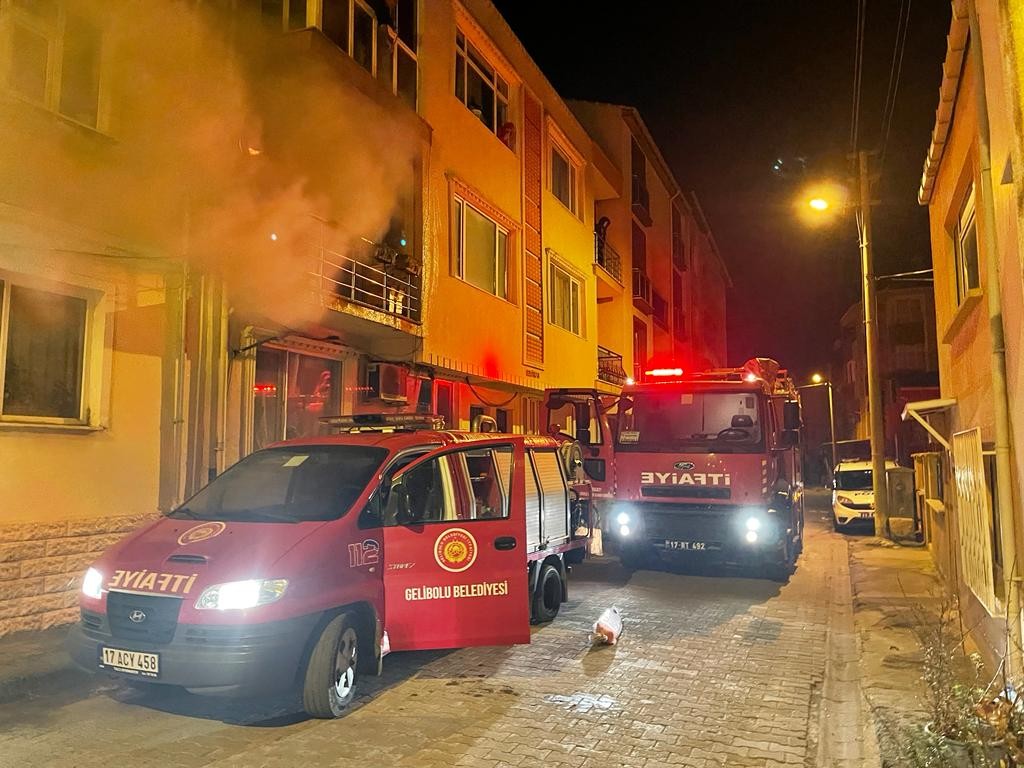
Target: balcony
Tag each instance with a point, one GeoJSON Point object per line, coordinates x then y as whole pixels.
{"type": "Point", "coordinates": [609, 367]}
{"type": "Point", "coordinates": [607, 258]}
{"type": "Point", "coordinates": [642, 291]}
{"type": "Point", "coordinates": [375, 277]}
{"type": "Point", "coordinates": [659, 305]}
{"type": "Point", "coordinates": [641, 197]}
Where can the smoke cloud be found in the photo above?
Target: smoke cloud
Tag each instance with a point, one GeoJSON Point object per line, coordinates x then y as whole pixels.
{"type": "Point", "coordinates": [220, 141]}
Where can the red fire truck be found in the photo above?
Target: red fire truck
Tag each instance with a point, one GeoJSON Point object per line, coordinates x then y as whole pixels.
{"type": "Point", "coordinates": [306, 562]}
{"type": "Point", "coordinates": [694, 465]}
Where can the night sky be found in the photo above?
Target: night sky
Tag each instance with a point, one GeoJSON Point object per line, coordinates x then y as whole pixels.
{"type": "Point", "coordinates": [727, 88]}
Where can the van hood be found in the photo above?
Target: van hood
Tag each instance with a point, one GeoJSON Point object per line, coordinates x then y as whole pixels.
{"type": "Point", "coordinates": [178, 556]}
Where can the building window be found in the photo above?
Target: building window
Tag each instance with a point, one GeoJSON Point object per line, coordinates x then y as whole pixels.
{"type": "Point", "coordinates": [678, 306]}
{"type": "Point", "coordinates": [55, 59]}
{"type": "Point", "coordinates": [292, 391]}
{"type": "Point", "coordinates": [482, 90]}
{"type": "Point", "coordinates": [640, 195]}
{"type": "Point", "coordinates": [966, 251]}
{"type": "Point", "coordinates": [481, 249]}
{"type": "Point", "coordinates": [384, 47]}
{"type": "Point", "coordinates": [565, 305]}
{"type": "Point", "coordinates": [563, 178]}
{"type": "Point", "coordinates": [43, 347]}
{"type": "Point", "coordinates": [286, 14]}
{"type": "Point", "coordinates": [678, 251]}
{"type": "Point", "coordinates": [639, 348]}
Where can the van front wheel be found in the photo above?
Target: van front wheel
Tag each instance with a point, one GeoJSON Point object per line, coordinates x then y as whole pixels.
{"type": "Point", "coordinates": [333, 669]}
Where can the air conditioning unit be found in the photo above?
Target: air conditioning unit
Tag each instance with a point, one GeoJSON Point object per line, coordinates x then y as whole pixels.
{"type": "Point", "coordinates": [387, 381]}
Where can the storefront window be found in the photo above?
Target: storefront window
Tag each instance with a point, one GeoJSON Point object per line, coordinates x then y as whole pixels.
{"type": "Point", "coordinates": [292, 391]}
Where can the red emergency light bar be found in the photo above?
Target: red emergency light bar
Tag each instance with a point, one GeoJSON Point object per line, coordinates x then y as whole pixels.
{"type": "Point", "coordinates": [661, 372]}
{"type": "Point", "coordinates": [264, 389]}
{"type": "Point", "coordinates": [383, 421]}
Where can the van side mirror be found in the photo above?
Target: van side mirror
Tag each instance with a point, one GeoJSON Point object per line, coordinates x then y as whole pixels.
{"type": "Point", "coordinates": [791, 415]}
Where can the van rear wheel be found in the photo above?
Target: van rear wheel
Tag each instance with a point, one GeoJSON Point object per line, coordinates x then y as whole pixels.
{"type": "Point", "coordinates": [333, 669]}
{"type": "Point", "coordinates": [548, 597]}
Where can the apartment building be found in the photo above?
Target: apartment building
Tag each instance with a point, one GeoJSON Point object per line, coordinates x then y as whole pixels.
{"type": "Point", "coordinates": [663, 282]}
{"type": "Point", "coordinates": [908, 365]}
{"type": "Point", "coordinates": [971, 482]}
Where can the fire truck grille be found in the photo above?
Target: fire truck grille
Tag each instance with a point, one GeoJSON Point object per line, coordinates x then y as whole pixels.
{"type": "Point", "coordinates": [686, 492]}
{"type": "Point", "coordinates": [151, 618]}
{"type": "Point", "coordinates": [688, 525]}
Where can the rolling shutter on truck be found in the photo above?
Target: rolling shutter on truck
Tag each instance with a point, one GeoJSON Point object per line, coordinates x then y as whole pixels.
{"type": "Point", "coordinates": [532, 508]}
{"type": "Point", "coordinates": [555, 497]}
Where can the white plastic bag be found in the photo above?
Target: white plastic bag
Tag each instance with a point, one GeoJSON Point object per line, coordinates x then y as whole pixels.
{"type": "Point", "coordinates": [608, 627]}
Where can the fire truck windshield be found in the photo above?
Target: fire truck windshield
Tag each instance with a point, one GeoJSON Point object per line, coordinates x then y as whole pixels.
{"type": "Point", "coordinates": [287, 485]}
{"type": "Point", "coordinates": [698, 422]}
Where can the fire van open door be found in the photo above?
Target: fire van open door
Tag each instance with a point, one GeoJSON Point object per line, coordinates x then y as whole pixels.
{"type": "Point", "coordinates": [455, 550]}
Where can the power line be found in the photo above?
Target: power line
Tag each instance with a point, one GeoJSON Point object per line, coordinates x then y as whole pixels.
{"type": "Point", "coordinates": [858, 70]}
{"type": "Point", "coordinates": [894, 81]}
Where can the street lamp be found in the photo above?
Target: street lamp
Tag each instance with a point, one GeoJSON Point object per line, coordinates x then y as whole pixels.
{"type": "Point", "coordinates": [862, 210]}
{"type": "Point", "coordinates": [816, 378]}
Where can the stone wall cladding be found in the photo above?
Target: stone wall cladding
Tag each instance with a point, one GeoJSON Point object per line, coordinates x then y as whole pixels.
{"type": "Point", "coordinates": [41, 567]}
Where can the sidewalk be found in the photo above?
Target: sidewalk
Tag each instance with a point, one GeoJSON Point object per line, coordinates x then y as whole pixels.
{"type": "Point", "coordinates": [891, 587]}
{"type": "Point", "coordinates": [32, 661]}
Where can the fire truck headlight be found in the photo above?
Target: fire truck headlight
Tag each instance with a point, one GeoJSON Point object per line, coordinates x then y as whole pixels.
{"type": "Point", "coordinates": [624, 530]}
{"type": "Point", "coordinates": [622, 519]}
{"type": "Point", "coordinates": [92, 584]}
{"type": "Point", "coordinates": [751, 537]}
{"type": "Point", "coordinates": [239, 595]}
{"type": "Point", "coordinates": [753, 524]}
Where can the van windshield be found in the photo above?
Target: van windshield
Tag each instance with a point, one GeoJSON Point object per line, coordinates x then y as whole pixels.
{"type": "Point", "coordinates": [696, 422]}
{"type": "Point", "coordinates": [854, 480]}
{"type": "Point", "coordinates": [291, 484]}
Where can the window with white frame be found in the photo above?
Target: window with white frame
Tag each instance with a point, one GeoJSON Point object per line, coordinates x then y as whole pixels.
{"type": "Point", "coordinates": [484, 92]}
{"type": "Point", "coordinates": [42, 354]}
{"type": "Point", "coordinates": [54, 59]}
{"type": "Point", "coordinates": [384, 47]}
{"type": "Point", "coordinates": [563, 178]}
{"type": "Point", "coordinates": [966, 251]}
{"type": "Point", "coordinates": [565, 292]}
{"type": "Point", "coordinates": [481, 249]}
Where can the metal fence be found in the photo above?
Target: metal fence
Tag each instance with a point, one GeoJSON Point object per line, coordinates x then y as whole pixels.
{"type": "Point", "coordinates": [373, 277]}
{"type": "Point", "coordinates": [609, 367]}
{"type": "Point", "coordinates": [607, 257]}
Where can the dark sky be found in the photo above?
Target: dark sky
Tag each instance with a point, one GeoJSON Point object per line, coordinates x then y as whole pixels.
{"type": "Point", "coordinates": [727, 87]}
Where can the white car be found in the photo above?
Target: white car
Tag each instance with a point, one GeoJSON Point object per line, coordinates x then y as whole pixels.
{"type": "Point", "coordinates": [853, 497]}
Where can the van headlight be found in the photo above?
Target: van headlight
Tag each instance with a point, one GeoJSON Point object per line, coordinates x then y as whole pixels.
{"type": "Point", "coordinates": [622, 519]}
{"type": "Point", "coordinates": [92, 584]}
{"type": "Point", "coordinates": [239, 595]}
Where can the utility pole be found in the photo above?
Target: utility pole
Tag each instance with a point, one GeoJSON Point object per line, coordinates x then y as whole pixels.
{"type": "Point", "coordinates": [876, 417]}
{"type": "Point", "coordinates": [832, 425]}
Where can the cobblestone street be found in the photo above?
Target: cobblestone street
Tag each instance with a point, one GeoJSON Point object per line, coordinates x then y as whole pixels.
{"type": "Point", "coordinates": [710, 671]}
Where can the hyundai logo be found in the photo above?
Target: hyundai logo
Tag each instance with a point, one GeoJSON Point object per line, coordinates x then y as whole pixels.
{"type": "Point", "coordinates": [137, 616]}
{"type": "Point", "coordinates": [684, 465]}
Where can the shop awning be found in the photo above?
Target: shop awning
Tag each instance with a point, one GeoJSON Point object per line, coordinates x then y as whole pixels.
{"type": "Point", "coordinates": [918, 410]}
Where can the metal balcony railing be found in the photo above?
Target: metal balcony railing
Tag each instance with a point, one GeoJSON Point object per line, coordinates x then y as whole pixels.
{"type": "Point", "coordinates": [609, 367]}
{"type": "Point", "coordinates": [642, 291]}
{"type": "Point", "coordinates": [374, 277]}
{"type": "Point", "coordinates": [607, 257]}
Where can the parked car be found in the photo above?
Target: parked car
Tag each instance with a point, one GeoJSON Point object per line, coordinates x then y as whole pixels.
{"type": "Point", "coordinates": [853, 495]}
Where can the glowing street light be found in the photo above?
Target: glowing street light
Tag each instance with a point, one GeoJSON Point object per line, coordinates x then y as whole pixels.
{"type": "Point", "coordinates": [817, 378]}
{"type": "Point", "coordinates": [818, 203]}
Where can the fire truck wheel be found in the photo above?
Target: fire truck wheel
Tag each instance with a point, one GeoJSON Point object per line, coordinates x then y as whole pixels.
{"type": "Point", "coordinates": [548, 597]}
{"type": "Point", "coordinates": [333, 669]}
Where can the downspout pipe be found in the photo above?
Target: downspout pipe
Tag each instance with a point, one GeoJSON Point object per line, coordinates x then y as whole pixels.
{"type": "Point", "coordinates": [1009, 527]}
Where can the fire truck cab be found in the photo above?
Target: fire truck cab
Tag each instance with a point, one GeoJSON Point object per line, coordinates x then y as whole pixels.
{"type": "Point", "coordinates": [694, 465]}
{"type": "Point", "coordinates": [308, 561]}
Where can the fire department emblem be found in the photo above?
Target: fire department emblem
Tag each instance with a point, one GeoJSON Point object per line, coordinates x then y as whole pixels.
{"type": "Point", "coordinates": [455, 550]}
{"type": "Point", "coordinates": [201, 532]}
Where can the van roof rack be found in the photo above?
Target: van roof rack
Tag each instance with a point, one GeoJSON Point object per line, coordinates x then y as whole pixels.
{"type": "Point", "coordinates": [383, 422]}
